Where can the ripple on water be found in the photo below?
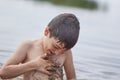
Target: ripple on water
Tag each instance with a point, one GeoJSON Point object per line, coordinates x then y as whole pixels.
{"type": "Point", "coordinates": [109, 73]}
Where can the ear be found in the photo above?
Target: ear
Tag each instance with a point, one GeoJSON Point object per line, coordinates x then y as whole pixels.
{"type": "Point", "coordinates": [46, 32]}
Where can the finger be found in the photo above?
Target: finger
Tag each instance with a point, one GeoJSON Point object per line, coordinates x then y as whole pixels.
{"type": "Point", "coordinates": [45, 56]}
{"type": "Point", "coordinates": [51, 64]}
{"type": "Point", "coordinates": [49, 69]}
{"type": "Point", "coordinates": [45, 72]}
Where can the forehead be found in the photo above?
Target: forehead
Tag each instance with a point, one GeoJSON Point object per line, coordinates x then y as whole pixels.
{"type": "Point", "coordinates": [56, 42]}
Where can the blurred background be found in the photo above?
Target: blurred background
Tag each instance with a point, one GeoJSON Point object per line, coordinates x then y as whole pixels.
{"type": "Point", "coordinates": [96, 55]}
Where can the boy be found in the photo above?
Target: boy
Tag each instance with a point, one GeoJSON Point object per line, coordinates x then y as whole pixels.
{"type": "Point", "coordinates": [43, 59]}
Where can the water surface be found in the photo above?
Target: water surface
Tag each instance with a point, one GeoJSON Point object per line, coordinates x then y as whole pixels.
{"type": "Point", "coordinates": [96, 55]}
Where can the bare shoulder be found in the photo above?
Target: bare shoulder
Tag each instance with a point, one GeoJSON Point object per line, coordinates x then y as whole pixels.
{"type": "Point", "coordinates": [26, 44]}
{"type": "Point", "coordinates": [20, 53]}
{"type": "Point", "coordinates": [68, 52]}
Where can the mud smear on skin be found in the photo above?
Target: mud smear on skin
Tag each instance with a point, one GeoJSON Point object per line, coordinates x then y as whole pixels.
{"type": "Point", "coordinates": [55, 70]}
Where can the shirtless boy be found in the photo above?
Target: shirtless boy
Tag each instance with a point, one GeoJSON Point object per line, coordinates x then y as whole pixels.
{"type": "Point", "coordinates": [36, 60]}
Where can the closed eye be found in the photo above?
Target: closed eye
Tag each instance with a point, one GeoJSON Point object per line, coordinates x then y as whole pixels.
{"type": "Point", "coordinates": [56, 47]}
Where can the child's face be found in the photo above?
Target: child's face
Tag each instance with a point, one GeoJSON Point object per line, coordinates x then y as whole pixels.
{"type": "Point", "coordinates": [51, 45]}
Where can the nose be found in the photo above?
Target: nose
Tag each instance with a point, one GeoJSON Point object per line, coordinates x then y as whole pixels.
{"type": "Point", "coordinates": [50, 52]}
{"type": "Point", "coordinates": [54, 52]}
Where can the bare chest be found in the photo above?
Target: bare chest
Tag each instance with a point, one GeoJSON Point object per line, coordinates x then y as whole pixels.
{"type": "Point", "coordinates": [36, 75]}
{"type": "Point", "coordinates": [36, 52]}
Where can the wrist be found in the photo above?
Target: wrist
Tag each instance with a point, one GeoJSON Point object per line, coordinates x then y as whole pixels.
{"type": "Point", "coordinates": [34, 65]}
{"type": "Point", "coordinates": [31, 65]}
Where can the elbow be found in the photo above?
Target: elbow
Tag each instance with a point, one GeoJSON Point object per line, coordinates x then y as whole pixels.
{"type": "Point", "coordinates": [2, 73]}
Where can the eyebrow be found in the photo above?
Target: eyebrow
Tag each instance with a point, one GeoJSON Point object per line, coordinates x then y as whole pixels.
{"type": "Point", "coordinates": [57, 47]}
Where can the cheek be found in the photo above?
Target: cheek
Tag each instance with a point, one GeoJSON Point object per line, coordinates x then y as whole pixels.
{"type": "Point", "coordinates": [49, 47]}
{"type": "Point", "coordinates": [58, 52]}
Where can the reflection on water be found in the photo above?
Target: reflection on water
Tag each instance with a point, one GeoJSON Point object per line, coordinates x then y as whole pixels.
{"type": "Point", "coordinates": [96, 56]}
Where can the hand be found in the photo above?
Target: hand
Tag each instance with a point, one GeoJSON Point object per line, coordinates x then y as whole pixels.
{"type": "Point", "coordinates": [42, 63]}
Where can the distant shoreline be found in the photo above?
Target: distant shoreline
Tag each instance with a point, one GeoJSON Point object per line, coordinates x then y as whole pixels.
{"type": "Point", "coordinates": [86, 4]}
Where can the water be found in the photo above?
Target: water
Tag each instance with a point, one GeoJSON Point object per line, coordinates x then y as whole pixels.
{"type": "Point", "coordinates": [97, 53]}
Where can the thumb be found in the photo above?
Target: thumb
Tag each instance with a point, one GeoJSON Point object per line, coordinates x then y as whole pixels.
{"type": "Point", "coordinates": [45, 56]}
{"type": "Point", "coordinates": [45, 71]}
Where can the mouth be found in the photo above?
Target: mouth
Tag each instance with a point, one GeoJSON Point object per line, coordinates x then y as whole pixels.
{"type": "Point", "coordinates": [50, 53]}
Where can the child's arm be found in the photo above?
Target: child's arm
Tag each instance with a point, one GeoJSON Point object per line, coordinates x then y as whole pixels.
{"type": "Point", "coordinates": [11, 71]}
{"type": "Point", "coordinates": [13, 68]}
{"type": "Point", "coordinates": [69, 66]}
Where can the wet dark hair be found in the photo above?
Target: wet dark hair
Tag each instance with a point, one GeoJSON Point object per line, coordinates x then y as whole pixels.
{"type": "Point", "coordinates": [65, 27]}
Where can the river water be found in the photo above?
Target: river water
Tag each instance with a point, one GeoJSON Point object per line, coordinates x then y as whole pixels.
{"type": "Point", "coordinates": [96, 55]}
